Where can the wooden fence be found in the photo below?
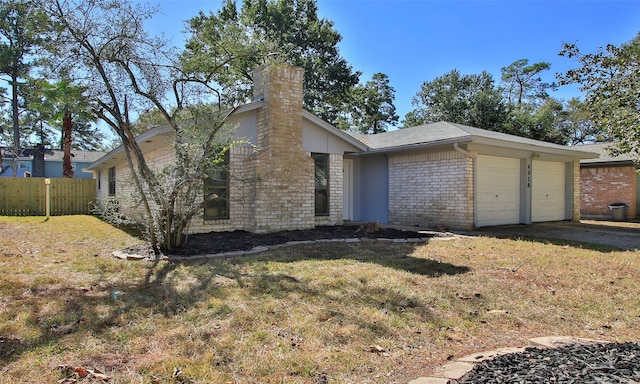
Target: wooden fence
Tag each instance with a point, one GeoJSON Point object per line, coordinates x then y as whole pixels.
{"type": "Point", "coordinates": [28, 196]}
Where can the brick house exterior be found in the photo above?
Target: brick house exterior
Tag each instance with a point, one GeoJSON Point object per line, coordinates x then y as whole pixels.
{"type": "Point", "coordinates": [423, 176]}
{"type": "Point", "coordinates": [607, 180]}
{"type": "Point", "coordinates": [448, 199]}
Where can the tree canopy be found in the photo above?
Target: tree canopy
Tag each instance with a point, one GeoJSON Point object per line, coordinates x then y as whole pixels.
{"type": "Point", "coordinates": [521, 83]}
{"type": "Point", "coordinates": [23, 30]}
{"type": "Point", "coordinates": [104, 47]}
{"type": "Point", "coordinates": [373, 108]}
{"type": "Point", "coordinates": [610, 80]}
{"type": "Point", "coordinates": [287, 31]}
{"type": "Point", "coordinates": [520, 106]}
{"type": "Point", "coordinates": [464, 99]}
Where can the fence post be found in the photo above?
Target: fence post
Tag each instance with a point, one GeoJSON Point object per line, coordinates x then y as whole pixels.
{"type": "Point", "coordinates": [47, 198]}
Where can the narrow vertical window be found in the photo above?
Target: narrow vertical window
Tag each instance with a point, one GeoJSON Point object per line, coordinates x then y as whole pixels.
{"type": "Point", "coordinates": [216, 192]}
{"type": "Point", "coordinates": [99, 180]}
{"type": "Point", "coordinates": [321, 183]}
{"type": "Point", "coordinates": [112, 181]}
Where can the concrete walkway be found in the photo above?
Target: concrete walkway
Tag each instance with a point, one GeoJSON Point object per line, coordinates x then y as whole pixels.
{"type": "Point", "coordinates": [622, 235]}
{"type": "Point", "coordinates": [455, 370]}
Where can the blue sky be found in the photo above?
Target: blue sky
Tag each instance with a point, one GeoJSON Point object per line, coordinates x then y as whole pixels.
{"type": "Point", "coordinates": [413, 41]}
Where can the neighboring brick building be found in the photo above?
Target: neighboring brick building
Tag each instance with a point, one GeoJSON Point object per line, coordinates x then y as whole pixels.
{"type": "Point", "coordinates": [300, 172]}
{"type": "Point", "coordinates": [607, 180]}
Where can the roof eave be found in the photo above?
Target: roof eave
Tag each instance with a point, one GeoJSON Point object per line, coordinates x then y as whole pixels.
{"type": "Point", "coordinates": [608, 163]}
{"type": "Point", "coordinates": [164, 129]}
{"type": "Point", "coordinates": [418, 146]}
{"type": "Point", "coordinates": [554, 149]}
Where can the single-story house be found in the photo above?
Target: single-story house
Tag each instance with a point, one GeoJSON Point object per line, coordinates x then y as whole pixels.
{"type": "Point", "coordinates": [44, 162]}
{"type": "Point", "coordinates": [607, 180]}
{"type": "Point", "coordinates": [309, 173]}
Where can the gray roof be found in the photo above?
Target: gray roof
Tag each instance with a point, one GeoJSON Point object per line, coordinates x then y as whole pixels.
{"type": "Point", "coordinates": [76, 156]}
{"type": "Point", "coordinates": [57, 155]}
{"type": "Point", "coordinates": [444, 133]}
{"type": "Point", "coordinates": [605, 156]}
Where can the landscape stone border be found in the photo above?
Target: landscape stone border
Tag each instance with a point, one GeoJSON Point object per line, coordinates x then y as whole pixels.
{"type": "Point", "coordinates": [263, 248]}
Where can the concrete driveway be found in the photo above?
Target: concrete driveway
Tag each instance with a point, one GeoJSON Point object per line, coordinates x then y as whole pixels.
{"type": "Point", "coordinates": [623, 235]}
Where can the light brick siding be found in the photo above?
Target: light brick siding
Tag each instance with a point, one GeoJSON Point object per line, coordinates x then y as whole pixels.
{"type": "Point", "coordinates": [241, 185]}
{"type": "Point", "coordinates": [431, 189]}
{"type": "Point", "coordinates": [575, 198]}
{"type": "Point", "coordinates": [284, 194]}
{"type": "Point", "coordinates": [601, 186]}
{"type": "Point", "coordinates": [336, 191]}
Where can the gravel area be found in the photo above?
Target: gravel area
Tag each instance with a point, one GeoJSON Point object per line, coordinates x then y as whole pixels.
{"type": "Point", "coordinates": [577, 363]}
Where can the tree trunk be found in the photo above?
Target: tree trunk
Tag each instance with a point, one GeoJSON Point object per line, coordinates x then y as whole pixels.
{"type": "Point", "coordinates": [67, 168]}
{"type": "Point", "coordinates": [16, 120]}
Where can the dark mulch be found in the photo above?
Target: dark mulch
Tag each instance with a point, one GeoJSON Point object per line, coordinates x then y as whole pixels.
{"type": "Point", "coordinates": [219, 242]}
{"type": "Point", "coordinates": [578, 363]}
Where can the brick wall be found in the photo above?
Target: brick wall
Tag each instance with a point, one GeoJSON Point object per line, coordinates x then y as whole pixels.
{"type": "Point", "coordinates": [284, 194]}
{"type": "Point", "coordinates": [431, 189]}
{"type": "Point", "coordinates": [575, 173]}
{"type": "Point", "coordinates": [271, 184]}
{"type": "Point", "coordinates": [601, 186]}
{"type": "Point", "coordinates": [336, 192]}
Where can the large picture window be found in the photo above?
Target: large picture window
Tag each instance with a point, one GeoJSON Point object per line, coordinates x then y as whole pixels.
{"type": "Point", "coordinates": [321, 183]}
{"type": "Point", "coordinates": [216, 192]}
{"type": "Point", "coordinates": [112, 181]}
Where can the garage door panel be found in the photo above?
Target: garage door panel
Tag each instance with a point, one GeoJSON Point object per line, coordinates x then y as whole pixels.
{"type": "Point", "coordinates": [498, 191]}
{"type": "Point", "coordinates": [548, 191]}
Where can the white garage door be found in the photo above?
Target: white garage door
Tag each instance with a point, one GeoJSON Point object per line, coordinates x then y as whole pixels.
{"type": "Point", "coordinates": [548, 195]}
{"type": "Point", "coordinates": [498, 191]}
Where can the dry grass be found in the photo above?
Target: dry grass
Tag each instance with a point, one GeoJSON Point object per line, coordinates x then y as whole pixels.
{"type": "Point", "coordinates": [307, 314]}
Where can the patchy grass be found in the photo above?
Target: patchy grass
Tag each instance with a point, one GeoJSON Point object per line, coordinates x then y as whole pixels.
{"type": "Point", "coordinates": [336, 313]}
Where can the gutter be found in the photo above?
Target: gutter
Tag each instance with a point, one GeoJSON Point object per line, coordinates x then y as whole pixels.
{"type": "Point", "coordinates": [418, 146]}
{"type": "Point", "coordinates": [463, 151]}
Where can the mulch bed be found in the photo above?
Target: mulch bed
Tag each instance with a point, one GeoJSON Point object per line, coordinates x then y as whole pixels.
{"type": "Point", "coordinates": [219, 242]}
{"type": "Point", "coordinates": [578, 363]}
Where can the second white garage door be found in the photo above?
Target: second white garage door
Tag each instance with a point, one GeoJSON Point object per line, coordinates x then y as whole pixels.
{"type": "Point", "coordinates": [548, 195]}
{"type": "Point", "coordinates": [498, 191]}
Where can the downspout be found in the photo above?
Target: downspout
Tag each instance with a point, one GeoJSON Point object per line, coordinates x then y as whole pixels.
{"type": "Point", "coordinates": [473, 201]}
{"type": "Point", "coordinates": [463, 151]}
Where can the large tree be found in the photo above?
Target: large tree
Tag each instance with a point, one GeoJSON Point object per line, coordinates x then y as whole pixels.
{"type": "Point", "coordinates": [104, 46]}
{"type": "Point", "coordinates": [288, 31]}
{"type": "Point", "coordinates": [522, 84]}
{"type": "Point", "coordinates": [610, 80]}
{"type": "Point", "coordinates": [464, 99]}
{"type": "Point", "coordinates": [373, 108]}
{"type": "Point", "coordinates": [577, 124]}
{"type": "Point", "coordinates": [540, 123]}
{"type": "Point", "coordinates": [23, 28]}
{"type": "Point", "coordinates": [533, 113]}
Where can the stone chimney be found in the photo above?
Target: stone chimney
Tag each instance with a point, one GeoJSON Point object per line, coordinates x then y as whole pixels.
{"type": "Point", "coordinates": [284, 195]}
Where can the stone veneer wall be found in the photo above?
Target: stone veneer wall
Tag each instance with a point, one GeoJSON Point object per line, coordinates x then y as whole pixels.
{"type": "Point", "coordinates": [431, 189]}
{"type": "Point", "coordinates": [284, 193]}
{"type": "Point", "coordinates": [601, 186]}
